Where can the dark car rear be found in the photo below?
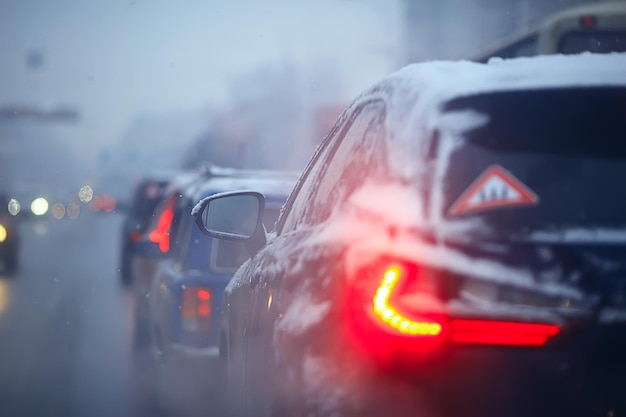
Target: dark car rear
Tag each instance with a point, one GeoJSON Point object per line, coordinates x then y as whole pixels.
{"type": "Point", "coordinates": [146, 197]}
{"type": "Point", "coordinates": [566, 149]}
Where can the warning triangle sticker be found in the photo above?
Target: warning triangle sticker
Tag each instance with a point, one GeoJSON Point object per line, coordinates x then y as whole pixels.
{"type": "Point", "coordinates": [494, 188]}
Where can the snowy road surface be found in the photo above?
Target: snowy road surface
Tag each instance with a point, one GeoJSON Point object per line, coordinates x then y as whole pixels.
{"type": "Point", "coordinates": [66, 326]}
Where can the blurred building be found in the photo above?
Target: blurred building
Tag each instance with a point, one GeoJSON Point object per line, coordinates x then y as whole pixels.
{"type": "Point", "coordinates": [455, 29]}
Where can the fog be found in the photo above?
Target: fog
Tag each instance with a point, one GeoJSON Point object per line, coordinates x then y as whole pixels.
{"type": "Point", "coordinates": [118, 62]}
{"type": "Point", "coordinates": [102, 93]}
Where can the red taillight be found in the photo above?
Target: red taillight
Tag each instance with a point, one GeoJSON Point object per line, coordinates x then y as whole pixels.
{"type": "Point", "coordinates": [488, 332]}
{"type": "Point", "coordinates": [96, 204]}
{"type": "Point", "coordinates": [587, 21]}
{"type": "Point", "coordinates": [161, 234]}
{"type": "Point", "coordinates": [196, 309]}
{"type": "Point", "coordinates": [417, 322]}
{"type": "Point", "coordinates": [135, 235]}
{"type": "Point", "coordinates": [391, 316]}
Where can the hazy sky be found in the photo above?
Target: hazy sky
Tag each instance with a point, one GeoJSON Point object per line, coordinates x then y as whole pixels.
{"type": "Point", "coordinates": [117, 59]}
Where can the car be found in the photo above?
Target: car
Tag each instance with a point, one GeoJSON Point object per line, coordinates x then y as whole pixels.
{"type": "Point", "coordinates": [9, 237]}
{"type": "Point", "coordinates": [598, 27]}
{"type": "Point", "coordinates": [153, 245]}
{"type": "Point", "coordinates": [146, 196]}
{"type": "Point", "coordinates": [455, 247]}
{"type": "Point", "coordinates": [181, 324]}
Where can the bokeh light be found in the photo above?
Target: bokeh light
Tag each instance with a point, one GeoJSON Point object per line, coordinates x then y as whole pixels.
{"type": "Point", "coordinates": [3, 233]}
{"type": "Point", "coordinates": [4, 296]}
{"type": "Point", "coordinates": [58, 210]}
{"type": "Point", "coordinates": [39, 206]}
{"type": "Point", "coordinates": [73, 210]}
{"type": "Point", "coordinates": [96, 204]}
{"type": "Point", "coordinates": [85, 194]}
{"type": "Point", "coordinates": [14, 207]}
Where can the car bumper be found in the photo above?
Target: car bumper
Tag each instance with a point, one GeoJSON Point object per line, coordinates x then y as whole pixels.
{"type": "Point", "coordinates": [191, 353]}
{"type": "Point", "coordinates": [582, 374]}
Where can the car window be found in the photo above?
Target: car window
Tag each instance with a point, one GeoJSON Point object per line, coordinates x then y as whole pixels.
{"type": "Point", "coordinates": [565, 146]}
{"type": "Point", "coordinates": [146, 199]}
{"type": "Point", "coordinates": [339, 170]}
{"type": "Point", "coordinates": [294, 206]}
{"type": "Point", "coordinates": [595, 41]}
{"type": "Point", "coordinates": [179, 232]}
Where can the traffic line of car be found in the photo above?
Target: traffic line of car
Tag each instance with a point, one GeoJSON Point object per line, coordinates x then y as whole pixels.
{"type": "Point", "coordinates": [454, 248]}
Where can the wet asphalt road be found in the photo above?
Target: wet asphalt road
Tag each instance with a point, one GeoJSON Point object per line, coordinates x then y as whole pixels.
{"type": "Point", "coordinates": [66, 327]}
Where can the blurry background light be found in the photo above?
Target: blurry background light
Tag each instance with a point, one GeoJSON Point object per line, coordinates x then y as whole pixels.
{"type": "Point", "coordinates": [58, 210]}
{"type": "Point", "coordinates": [108, 203]}
{"type": "Point", "coordinates": [73, 210]}
{"type": "Point", "coordinates": [3, 233]}
{"type": "Point", "coordinates": [39, 206]}
{"type": "Point", "coordinates": [96, 204]}
{"type": "Point", "coordinates": [14, 207]}
{"type": "Point", "coordinates": [85, 194]}
{"type": "Point", "coordinates": [4, 295]}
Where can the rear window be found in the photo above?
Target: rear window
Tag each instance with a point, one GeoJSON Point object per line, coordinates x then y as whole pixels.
{"type": "Point", "coordinates": [147, 197]}
{"type": "Point", "coordinates": [592, 41]}
{"type": "Point", "coordinates": [567, 146]}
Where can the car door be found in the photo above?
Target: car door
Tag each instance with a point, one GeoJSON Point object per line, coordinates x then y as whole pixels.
{"type": "Point", "coordinates": [164, 292]}
{"type": "Point", "coordinates": [285, 269]}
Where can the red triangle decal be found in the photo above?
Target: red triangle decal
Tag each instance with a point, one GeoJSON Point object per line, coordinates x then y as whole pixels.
{"type": "Point", "coordinates": [494, 188]}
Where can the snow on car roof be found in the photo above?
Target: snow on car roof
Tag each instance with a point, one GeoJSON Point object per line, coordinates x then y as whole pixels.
{"type": "Point", "coordinates": [443, 80]}
{"type": "Point", "coordinates": [416, 95]}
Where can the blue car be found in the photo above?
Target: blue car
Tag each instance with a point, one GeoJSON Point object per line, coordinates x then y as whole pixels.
{"type": "Point", "coordinates": [186, 290]}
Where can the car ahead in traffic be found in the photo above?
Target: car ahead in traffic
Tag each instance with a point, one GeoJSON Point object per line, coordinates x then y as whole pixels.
{"type": "Point", "coordinates": [153, 245]}
{"type": "Point", "coordinates": [181, 326]}
{"type": "Point", "coordinates": [186, 290]}
{"type": "Point", "coordinates": [454, 248]}
{"type": "Point", "coordinates": [146, 196]}
{"type": "Point", "coordinates": [598, 27]}
{"type": "Point", "coordinates": [9, 237]}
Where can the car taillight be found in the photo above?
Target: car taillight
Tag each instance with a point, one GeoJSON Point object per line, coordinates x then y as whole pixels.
{"type": "Point", "coordinates": [135, 235]}
{"type": "Point", "coordinates": [491, 332]}
{"type": "Point", "coordinates": [196, 309]}
{"type": "Point", "coordinates": [407, 306]}
{"type": "Point", "coordinates": [161, 234]}
{"type": "Point", "coordinates": [587, 21]}
{"type": "Point", "coordinates": [394, 318]}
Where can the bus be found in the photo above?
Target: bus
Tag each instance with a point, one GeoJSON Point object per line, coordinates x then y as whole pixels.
{"type": "Point", "coordinates": [597, 28]}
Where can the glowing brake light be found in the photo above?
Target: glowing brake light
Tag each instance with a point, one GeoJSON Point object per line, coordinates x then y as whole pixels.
{"type": "Point", "coordinates": [488, 332]}
{"type": "Point", "coordinates": [391, 316]}
{"type": "Point", "coordinates": [161, 234]}
{"type": "Point", "coordinates": [135, 235]}
{"type": "Point", "coordinates": [587, 21]}
{"type": "Point", "coordinates": [196, 309]}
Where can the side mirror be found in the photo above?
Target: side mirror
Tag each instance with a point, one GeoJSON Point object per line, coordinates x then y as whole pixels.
{"type": "Point", "coordinates": [232, 216]}
{"type": "Point", "coordinates": [236, 216]}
